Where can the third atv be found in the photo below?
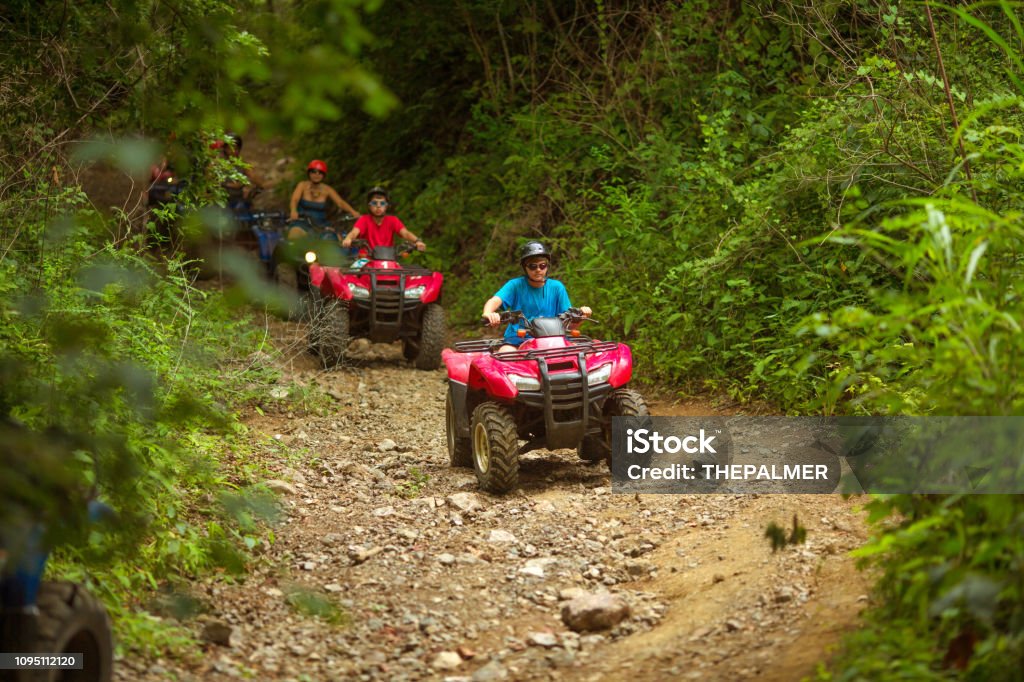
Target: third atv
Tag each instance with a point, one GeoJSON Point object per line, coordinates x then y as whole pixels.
{"type": "Point", "coordinates": [379, 299]}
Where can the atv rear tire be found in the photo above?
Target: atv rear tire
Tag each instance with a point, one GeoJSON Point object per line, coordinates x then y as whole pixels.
{"type": "Point", "coordinates": [432, 332]}
{"type": "Point", "coordinates": [495, 448]}
{"type": "Point", "coordinates": [460, 450]}
{"type": "Point", "coordinates": [73, 621]}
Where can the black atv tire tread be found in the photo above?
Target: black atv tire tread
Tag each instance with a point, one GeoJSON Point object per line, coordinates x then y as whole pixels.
{"type": "Point", "coordinates": [316, 313]}
{"type": "Point", "coordinates": [626, 403]}
{"type": "Point", "coordinates": [503, 474]}
{"type": "Point", "coordinates": [633, 403]}
{"type": "Point", "coordinates": [432, 336]}
{"type": "Point", "coordinates": [460, 450]}
{"type": "Point", "coordinates": [333, 330]}
{"type": "Point", "coordinates": [592, 449]}
{"type": "Point", "coordinates": [67, 611]}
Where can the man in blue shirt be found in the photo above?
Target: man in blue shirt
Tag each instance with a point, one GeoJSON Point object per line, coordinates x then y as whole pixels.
{"type": "Point", "coordinates": [533, 293]}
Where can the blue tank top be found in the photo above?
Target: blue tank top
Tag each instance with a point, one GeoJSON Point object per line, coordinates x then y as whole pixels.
{"type": "Point", "coordinates": [316, 211]}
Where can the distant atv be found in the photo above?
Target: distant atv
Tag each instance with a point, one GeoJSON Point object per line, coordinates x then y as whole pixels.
{"type": "Point", "coordinates": [557, 390]}
{"type": "Point", "coordinates": [52, 618]}
{"type": "Point", "coordinates": [379, 299]}
{"type": "Point", "coordinates": [265, 227]}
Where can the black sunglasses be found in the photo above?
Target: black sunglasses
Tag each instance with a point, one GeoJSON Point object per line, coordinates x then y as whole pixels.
{"type": "Point", "coordinates": [537, 266]}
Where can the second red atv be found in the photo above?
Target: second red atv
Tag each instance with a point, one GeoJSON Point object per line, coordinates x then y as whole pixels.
{"type": "Point", "coordinates": [557, 390]}
{"type": "Point", "coordinates": [379, 299]}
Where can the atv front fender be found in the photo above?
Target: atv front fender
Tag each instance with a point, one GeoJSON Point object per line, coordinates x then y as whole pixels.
{"type": "Point", "coordinates": [316, 275]}
{"type": "Point", "coordinates": [432, 293]}
{"type": "Point", "coordinates": [457, 365]}
{"type": "Point", "coordinates": [330, 281]}
{"type": "Point", "coordinates": [622, 370]}
{"type": "Point", "coordinates": [490, 375]}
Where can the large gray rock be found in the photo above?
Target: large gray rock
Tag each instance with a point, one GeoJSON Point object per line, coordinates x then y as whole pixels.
{"type": "Point", "coordinates": [599, 611]}
{"type": "Point", "coordinates": [466, 502]}
{"type": "Point", "coordinates": [281, 487]}
{"type": "Point", "coordinates": [446, 660]}
{"type": "Point", "coordinates": [501, 536]}
{"type": "Point", "coordinates": [219, 632]}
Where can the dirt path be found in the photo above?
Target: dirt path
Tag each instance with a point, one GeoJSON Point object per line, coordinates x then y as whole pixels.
{"type": "Point", "coordinates": [415, 562]}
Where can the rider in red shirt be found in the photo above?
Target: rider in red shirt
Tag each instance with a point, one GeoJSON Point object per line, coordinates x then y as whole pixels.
{"type": "Point", "coordinates": [378, 228]}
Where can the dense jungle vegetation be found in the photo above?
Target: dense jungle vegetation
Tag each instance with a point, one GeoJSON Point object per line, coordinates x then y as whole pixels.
{"type": "Point", "coordinates": [810, 204]}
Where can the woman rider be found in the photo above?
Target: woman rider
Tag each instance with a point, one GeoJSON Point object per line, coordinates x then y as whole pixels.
{"type": "Point", "coordinates": [310, 199]}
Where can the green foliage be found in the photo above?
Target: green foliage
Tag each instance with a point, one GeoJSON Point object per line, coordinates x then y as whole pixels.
{"type": "Point", "coordinates": [949, 593]}
{"type": "Point", "coordinates": [115, 372]}
{"type": "Point", "coordinates": [415, 483]}
{"type": "Point", "coordinates": [776, 534]}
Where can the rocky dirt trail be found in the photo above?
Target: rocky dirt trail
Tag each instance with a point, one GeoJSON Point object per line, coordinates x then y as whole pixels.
{"type": "Point", "coordinates": [428, 578]}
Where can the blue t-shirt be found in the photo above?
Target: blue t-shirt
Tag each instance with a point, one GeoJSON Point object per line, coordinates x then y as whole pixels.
{"type": "Point", "coordinates": [545, 301]}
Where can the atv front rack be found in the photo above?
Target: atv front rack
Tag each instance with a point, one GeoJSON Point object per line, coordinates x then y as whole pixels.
{"type": "Point", "coordinates": [578, 344]}
{"type": "Point", "coordinates": [478, 346]}
{"type": "Point", "coordinates": [387, 304]}
{"type": "Point", "coordinates": [389, 272]}
{"type": "Point", "coordinates": [576, 347]}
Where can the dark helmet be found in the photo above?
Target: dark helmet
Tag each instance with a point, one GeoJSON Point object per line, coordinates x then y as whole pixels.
{"type": "Point", "coordinates": [317, 164]}
{"type": "Point", "coordinates": [377, 191]}
{"type": "Point", "coordinates": [532, 249]}
{"type": "Point", "coordinates": [236, 141]}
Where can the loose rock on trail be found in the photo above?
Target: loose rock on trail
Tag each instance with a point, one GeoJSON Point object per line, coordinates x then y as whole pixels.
{"type": "Point", "coordinates": [418, 575]}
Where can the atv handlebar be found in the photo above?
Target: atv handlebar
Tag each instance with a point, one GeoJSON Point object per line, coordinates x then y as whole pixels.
{"type": "Point", "coordinates": [570, 317]}
{"type": "Point", "coordinates": [506, 317]}
{"type": "Point", "coordinates": [268, 215]}
{"type": "Point", "coordinates": [401, 251]}
{"type": "Point", "coordinates": [575, 315]}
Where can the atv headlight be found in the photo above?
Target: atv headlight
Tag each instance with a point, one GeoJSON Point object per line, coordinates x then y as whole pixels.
{"type": "Point", "coordinates": [600, 374]}
{"type": "Point", "coordinates": [359, 292]}
{"type": "Point", "coordinates": [524, 383]}
{"type": "Point", "coordinates": [414, 292]}
{"type": "Point", "coordinates": [311, 256]}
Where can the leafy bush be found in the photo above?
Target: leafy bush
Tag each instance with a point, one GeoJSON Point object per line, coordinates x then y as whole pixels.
{"type": "Point", "coordinates": [117, 370]}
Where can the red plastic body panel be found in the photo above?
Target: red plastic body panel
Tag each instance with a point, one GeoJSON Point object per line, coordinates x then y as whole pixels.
{"type": "Point", "coordinates": [334, 281]}
{"type": "Point", "coordinates": [483, 371]}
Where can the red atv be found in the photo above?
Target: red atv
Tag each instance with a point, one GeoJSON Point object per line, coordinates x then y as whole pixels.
{"type": "Point", "coordinates": [557, 390]}
{"type": "Point", "coordinates": [379, 299]}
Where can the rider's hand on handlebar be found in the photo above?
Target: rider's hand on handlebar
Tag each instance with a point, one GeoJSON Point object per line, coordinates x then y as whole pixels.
{"type": "Point", "coordinates": [585, 311]}
{"type": "Point", "coordinates": [493, 319]}
{"type": "Point", "coordinates": [346, 242]}
{"type": "Point", "coordinates": [420, 246]}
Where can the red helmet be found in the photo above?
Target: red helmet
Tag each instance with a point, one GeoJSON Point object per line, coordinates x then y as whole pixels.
{"type": "Point", "coordinates": [217, 144]}
{"type": "Point", "coordinates": [317, 164]}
